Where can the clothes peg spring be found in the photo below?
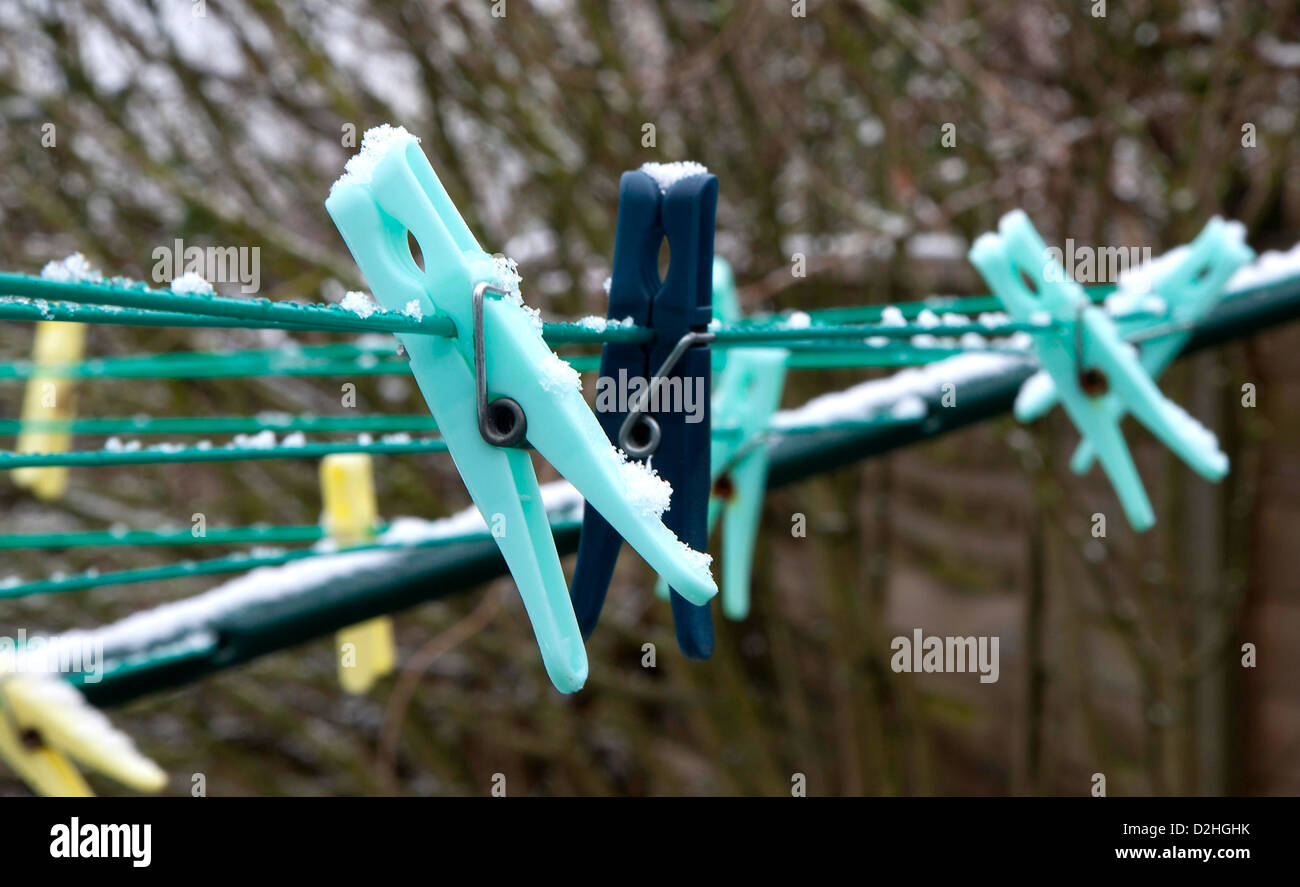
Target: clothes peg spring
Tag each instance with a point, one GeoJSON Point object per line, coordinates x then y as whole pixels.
{"type": "Point", "coordinates": [678, 309]}
{"type": "Point", "coordinates": [390, 193]}
{"type": "Point", "coordinates": [366, 651]}
{"type": "Point", "coordinates": [1096, 374]}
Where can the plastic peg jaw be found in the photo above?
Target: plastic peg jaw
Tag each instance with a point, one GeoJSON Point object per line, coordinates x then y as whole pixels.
{"type": "Point", "coordinates": [749, 393]}
{"type": "Point", "coordinates": [46, 726]}
{"type": "Point", "coordinates": [726, 303]}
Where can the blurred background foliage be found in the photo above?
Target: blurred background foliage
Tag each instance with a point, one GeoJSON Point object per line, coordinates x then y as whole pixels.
{"type": "Point", "coordinates": [1119, 656]}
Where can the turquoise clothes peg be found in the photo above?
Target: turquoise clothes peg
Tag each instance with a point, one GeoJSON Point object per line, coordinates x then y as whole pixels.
{"type": "Point", "coordinates": [745, 395]}
{"type": "Point", "coordinates": [726, 304]}
{"type": "Point", "coordinates": [496, 380]}
{"type": "Point", "coordinates": [748, 393]}
{"type": "Point", "coordinates": [1091, 367]}
{"type": "Point", "coordinates": [1190, 281]}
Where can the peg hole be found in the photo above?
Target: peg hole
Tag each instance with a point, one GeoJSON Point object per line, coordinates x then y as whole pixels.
{"type": "Point", "coordinates": [1026, 280]}
{"type": "Point", "coordinates": [724, 488]}
{"type": "Point", "coordinates": [417, 255]}
{"type": "Point", "coordinates": [1093, 382]}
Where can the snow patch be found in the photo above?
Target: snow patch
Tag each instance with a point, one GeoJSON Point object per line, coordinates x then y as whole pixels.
{"type": "Point", "coordinates": [72, 269]}
{"type": "Point", "coordinates": [192, 284]}
{"type": "Point", "coordinates": [376, 143]}
{"type": "Point", "coordinates": [359, 303]}
{"type": "Point", "coordinates": [557, 375]}
{"type": "Point", "coordinates": [643, 487]}
{"type": "Point", "coordinates": [799, 320]}
{"type": "Point", "coordinates": [668, 174]}
{"type": "Point", "coordinates": [189, 622]}
{"type": "Point", "coordinates": [910, 391]}
{"type": "Point", "coordinates": [599, 324]}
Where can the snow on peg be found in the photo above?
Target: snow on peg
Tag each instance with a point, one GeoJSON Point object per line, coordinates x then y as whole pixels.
{"type": "Point", "coordinates": [495, 379]}
{"type": "Point", "coordinates": [1095, 373]}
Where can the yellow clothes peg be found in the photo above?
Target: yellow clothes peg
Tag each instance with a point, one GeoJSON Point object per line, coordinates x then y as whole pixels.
{"type": "Point", "coordinates": [49, 399]}
{"type": "Point", "coordinates": [366, 651]}
{"type": "Point", "coordinates": [45, 725]}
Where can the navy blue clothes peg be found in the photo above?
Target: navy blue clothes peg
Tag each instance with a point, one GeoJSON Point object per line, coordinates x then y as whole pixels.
{"type": "Point", "coordinates": [676, 442]}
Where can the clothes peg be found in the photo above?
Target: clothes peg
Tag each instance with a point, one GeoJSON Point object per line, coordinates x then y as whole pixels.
{"type": "Point", "coordinates": [1089, 362]}
{"type": "Point", "coordinates": [366, 651]}
{"type": "Point", "coordinates": [678, 308]}
{"type": "Point", "coordinates": [48, 400]}
{"type": "Point", "coordinates": [45, 725]}
{"type": "Point", "coordinates": [746, 394]}
{"type": "Point", "coordinates": [1190, 286]}
{"type": "Point", "coordinates": [496, 385]}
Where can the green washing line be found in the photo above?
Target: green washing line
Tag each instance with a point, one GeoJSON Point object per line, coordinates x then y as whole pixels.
{"type": "Point", "coordinates": [139, 298]}
{"type": "Point", "coordinates": [968, 305]}
{"type": "Point", "coordinates": [138, 368]}
{"type": "Point", "coordinates": [253, 535]}
{"type": "Point", "coordinates": [214, 567]}
{"type": "Point", "coordinates": [805, 355]}
{"type": "Point", "coordinates": [345, 359]}
{"type": "Point", "coordinates": [38, 310]}
{"type": "Point", "coordinates": [33, 311]}
{"type": "Point", "coordinates": [163, 454]}
{"type": "Point", "coordinates": [270, 421]}
{"type": "Point", "coordinates": [841, 357]}
{"type": "Point", "coordinates": [778, 333]}
{"type": "Point", "coordinates": [236, 563]}
{"type": "Point", "coordinates": [135, 301]}
{"type": "Point", "coordinates": [193, 364]}
{"type": "Point", "coordinates": [166, 453]}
